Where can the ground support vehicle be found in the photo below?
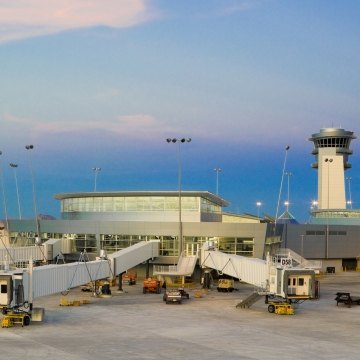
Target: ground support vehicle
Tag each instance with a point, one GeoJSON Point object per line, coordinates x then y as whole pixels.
{"type": "Point", "coordinates": [225, 285]}
{"type": "Point", "coordinates": [175, 295]}
{"type": "Point", "coordinates": [184, 294]}
{"type": "Point", "coordinates": [281, 308]}
{"type": "Point", "coordinates": [151, 286]}
{"type": "Point", "coordinates": [129, 278]}
{"type": "Point", "coordinates": [346, 299]}
{"type": "Point", "coordinates": [172, 296]}
{"type": "Point", "coordinates": [98, 287]}
{"type": "Point", "coordinates": [12, 317]}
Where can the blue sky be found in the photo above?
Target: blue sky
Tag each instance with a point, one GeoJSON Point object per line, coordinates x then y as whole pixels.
{"type": "Point", "coordinates": [104, 83]}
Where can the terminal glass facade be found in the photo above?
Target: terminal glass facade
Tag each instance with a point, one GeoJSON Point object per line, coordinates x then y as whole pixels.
{"type": "Point", "coordinates": [169, 245]}
{"type": "Point", "coordinates": [137, 204]}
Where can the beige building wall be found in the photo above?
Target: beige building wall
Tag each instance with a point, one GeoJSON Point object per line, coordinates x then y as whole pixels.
{"type": "Point", "coordinates": [331, 180]}
{"type": "Point", "coordinates": [4, 238]}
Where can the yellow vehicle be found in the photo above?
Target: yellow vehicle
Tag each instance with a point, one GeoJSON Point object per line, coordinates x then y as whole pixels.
{"type": "Point", "coordinates": [281, 308]}
{"type": "Point", "coordinates": [11, 317]}
{"type": "Point", "coordinates": [225, 285]}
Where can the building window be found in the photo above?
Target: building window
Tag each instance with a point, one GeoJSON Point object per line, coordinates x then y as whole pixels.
{"type": "Point", "coordinates": [317, 232]}
{"type": "Point", "coordinates": [85, 242]}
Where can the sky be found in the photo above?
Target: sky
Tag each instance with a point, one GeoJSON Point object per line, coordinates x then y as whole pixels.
{"type": "Point", "coordinates": [103, 83]}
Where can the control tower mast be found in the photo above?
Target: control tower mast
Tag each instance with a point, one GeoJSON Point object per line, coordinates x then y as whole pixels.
{"type": "Point", "coordinates": [331, 150]}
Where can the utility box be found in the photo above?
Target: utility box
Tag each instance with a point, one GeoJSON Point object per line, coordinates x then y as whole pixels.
{"type": "Point", "coordinates": [38, 314]}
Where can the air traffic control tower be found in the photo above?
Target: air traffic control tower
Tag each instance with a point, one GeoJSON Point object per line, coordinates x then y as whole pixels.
{"type": "Point", "coordinates": [331, 150]}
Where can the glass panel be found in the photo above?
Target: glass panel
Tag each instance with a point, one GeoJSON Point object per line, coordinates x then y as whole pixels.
{"type": "Point", "coordinates": [169, 246]}
{"type": "Point", "coordinates": [245, 247]}
{"type": "Point", "coordinates": [172, 203]}
{"type": "Point", "coordinates": [89, 204]}
{"type": "Point", "coordinates": [189, 203]}
{"type": "Point", "coordinates": [108, 204]}
{"type": "Point", "coordinates": [119, 204]}
{"type": "Point", "coordinates": [85, 242]}
{"type": "Point", "coordinates": [157, 203]}
{"type": "Point", "coordinates": [130, 204]}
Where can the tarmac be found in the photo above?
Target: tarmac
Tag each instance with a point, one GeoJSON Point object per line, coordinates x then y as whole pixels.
{"type": "Point", "coordinates": [132, 325]}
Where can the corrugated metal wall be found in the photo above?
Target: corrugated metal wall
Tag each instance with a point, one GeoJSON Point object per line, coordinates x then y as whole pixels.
{"type": "Point", "coordinates": [249, 270]}
{"type": "Point", "coordinates": [52, 279]}
{"type": "Point", "coordinates": [17, 254]}
{"type": "Point", "coordinates": [127, 258]}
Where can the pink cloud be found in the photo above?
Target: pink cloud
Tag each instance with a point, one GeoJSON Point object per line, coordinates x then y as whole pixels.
{"type": "Point", "coordinates": [27, 18]}
{"type": "Point", "coordinates": [138, 125]}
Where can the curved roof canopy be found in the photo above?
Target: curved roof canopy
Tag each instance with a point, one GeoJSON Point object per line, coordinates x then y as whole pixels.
{"type": "Point", "coordinates": [203, 194]}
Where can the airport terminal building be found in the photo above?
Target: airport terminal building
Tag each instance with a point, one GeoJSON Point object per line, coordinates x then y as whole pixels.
{"type": "Point", "coordinates": [183, 221]}
{"type": "Point", "coordinates": [112, 221]}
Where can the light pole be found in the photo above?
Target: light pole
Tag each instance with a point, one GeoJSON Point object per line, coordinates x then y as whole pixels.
{"type": "Point", "coordinates": [179, 142]}
{"type": "Point", "coordinates": [287, 202]}
{"type": "Point", "coordinates": [30, 148]}
{"type": "Point", "coordinates": [281, 185]}
{"type": "Point", "coordinates": [3, 193]}
{"type": "Point", "coordinates": [217, 170]}
{"type": "Point", "coordinates": [96, 171]}
{"type": "Point", "coordinates": [6, 214]}
{"type": "Point", "coordinates": [14, 167]}
{"type": "Point", "coordinates": [302, 245]}
{"type": "Point", "coordinates": [349, 187]}
{"type": "Point", "coordinates": [258, 205]}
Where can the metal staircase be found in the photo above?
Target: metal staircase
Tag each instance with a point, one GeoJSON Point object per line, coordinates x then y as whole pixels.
{"type": "Point", "coordinates": [304, 263]}
{"type": "Point", "coordinates": [250, 300]}
{"type": "Point", "coordinates": [185, 267]}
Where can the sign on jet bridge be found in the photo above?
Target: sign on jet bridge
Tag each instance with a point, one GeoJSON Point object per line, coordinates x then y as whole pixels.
{"type": "Point", "coordinates": [286, 262]}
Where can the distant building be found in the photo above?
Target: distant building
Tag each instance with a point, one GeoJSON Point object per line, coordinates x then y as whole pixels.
{"type": "Point", "coordinates": [332, 151]}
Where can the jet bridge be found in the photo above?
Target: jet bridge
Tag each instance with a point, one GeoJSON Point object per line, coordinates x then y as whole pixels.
{"type": "Point", "coordinates": [20, 255]}
{"type": "Point", "coordinates": [184, 267]}
{"type": "Point", "coordinates": [131, 256]}
{"type": "Point", "coordinates": [274, 276]}
{"type": "Point", "coordinates": [21, 286]}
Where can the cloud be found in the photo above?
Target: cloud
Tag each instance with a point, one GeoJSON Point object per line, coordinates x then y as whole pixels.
{"type": "Point", "coordinates": [239, 6]}
{"type": "Point", "coordinates": [136, 126]}
{"type": "Point", "coordinates": [21, 19]}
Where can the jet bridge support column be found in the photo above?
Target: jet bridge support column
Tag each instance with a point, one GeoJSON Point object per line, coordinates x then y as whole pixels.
{"type": "Point", "coordinates": [147, 268]}
{"type": "Point", "coordinates": [120, 288]}
{"type": "Point", "coordinates": [207, 279]}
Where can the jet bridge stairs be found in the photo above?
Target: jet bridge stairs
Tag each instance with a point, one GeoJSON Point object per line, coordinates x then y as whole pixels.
{"type": "Point", "coordinates": [185, 267]}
